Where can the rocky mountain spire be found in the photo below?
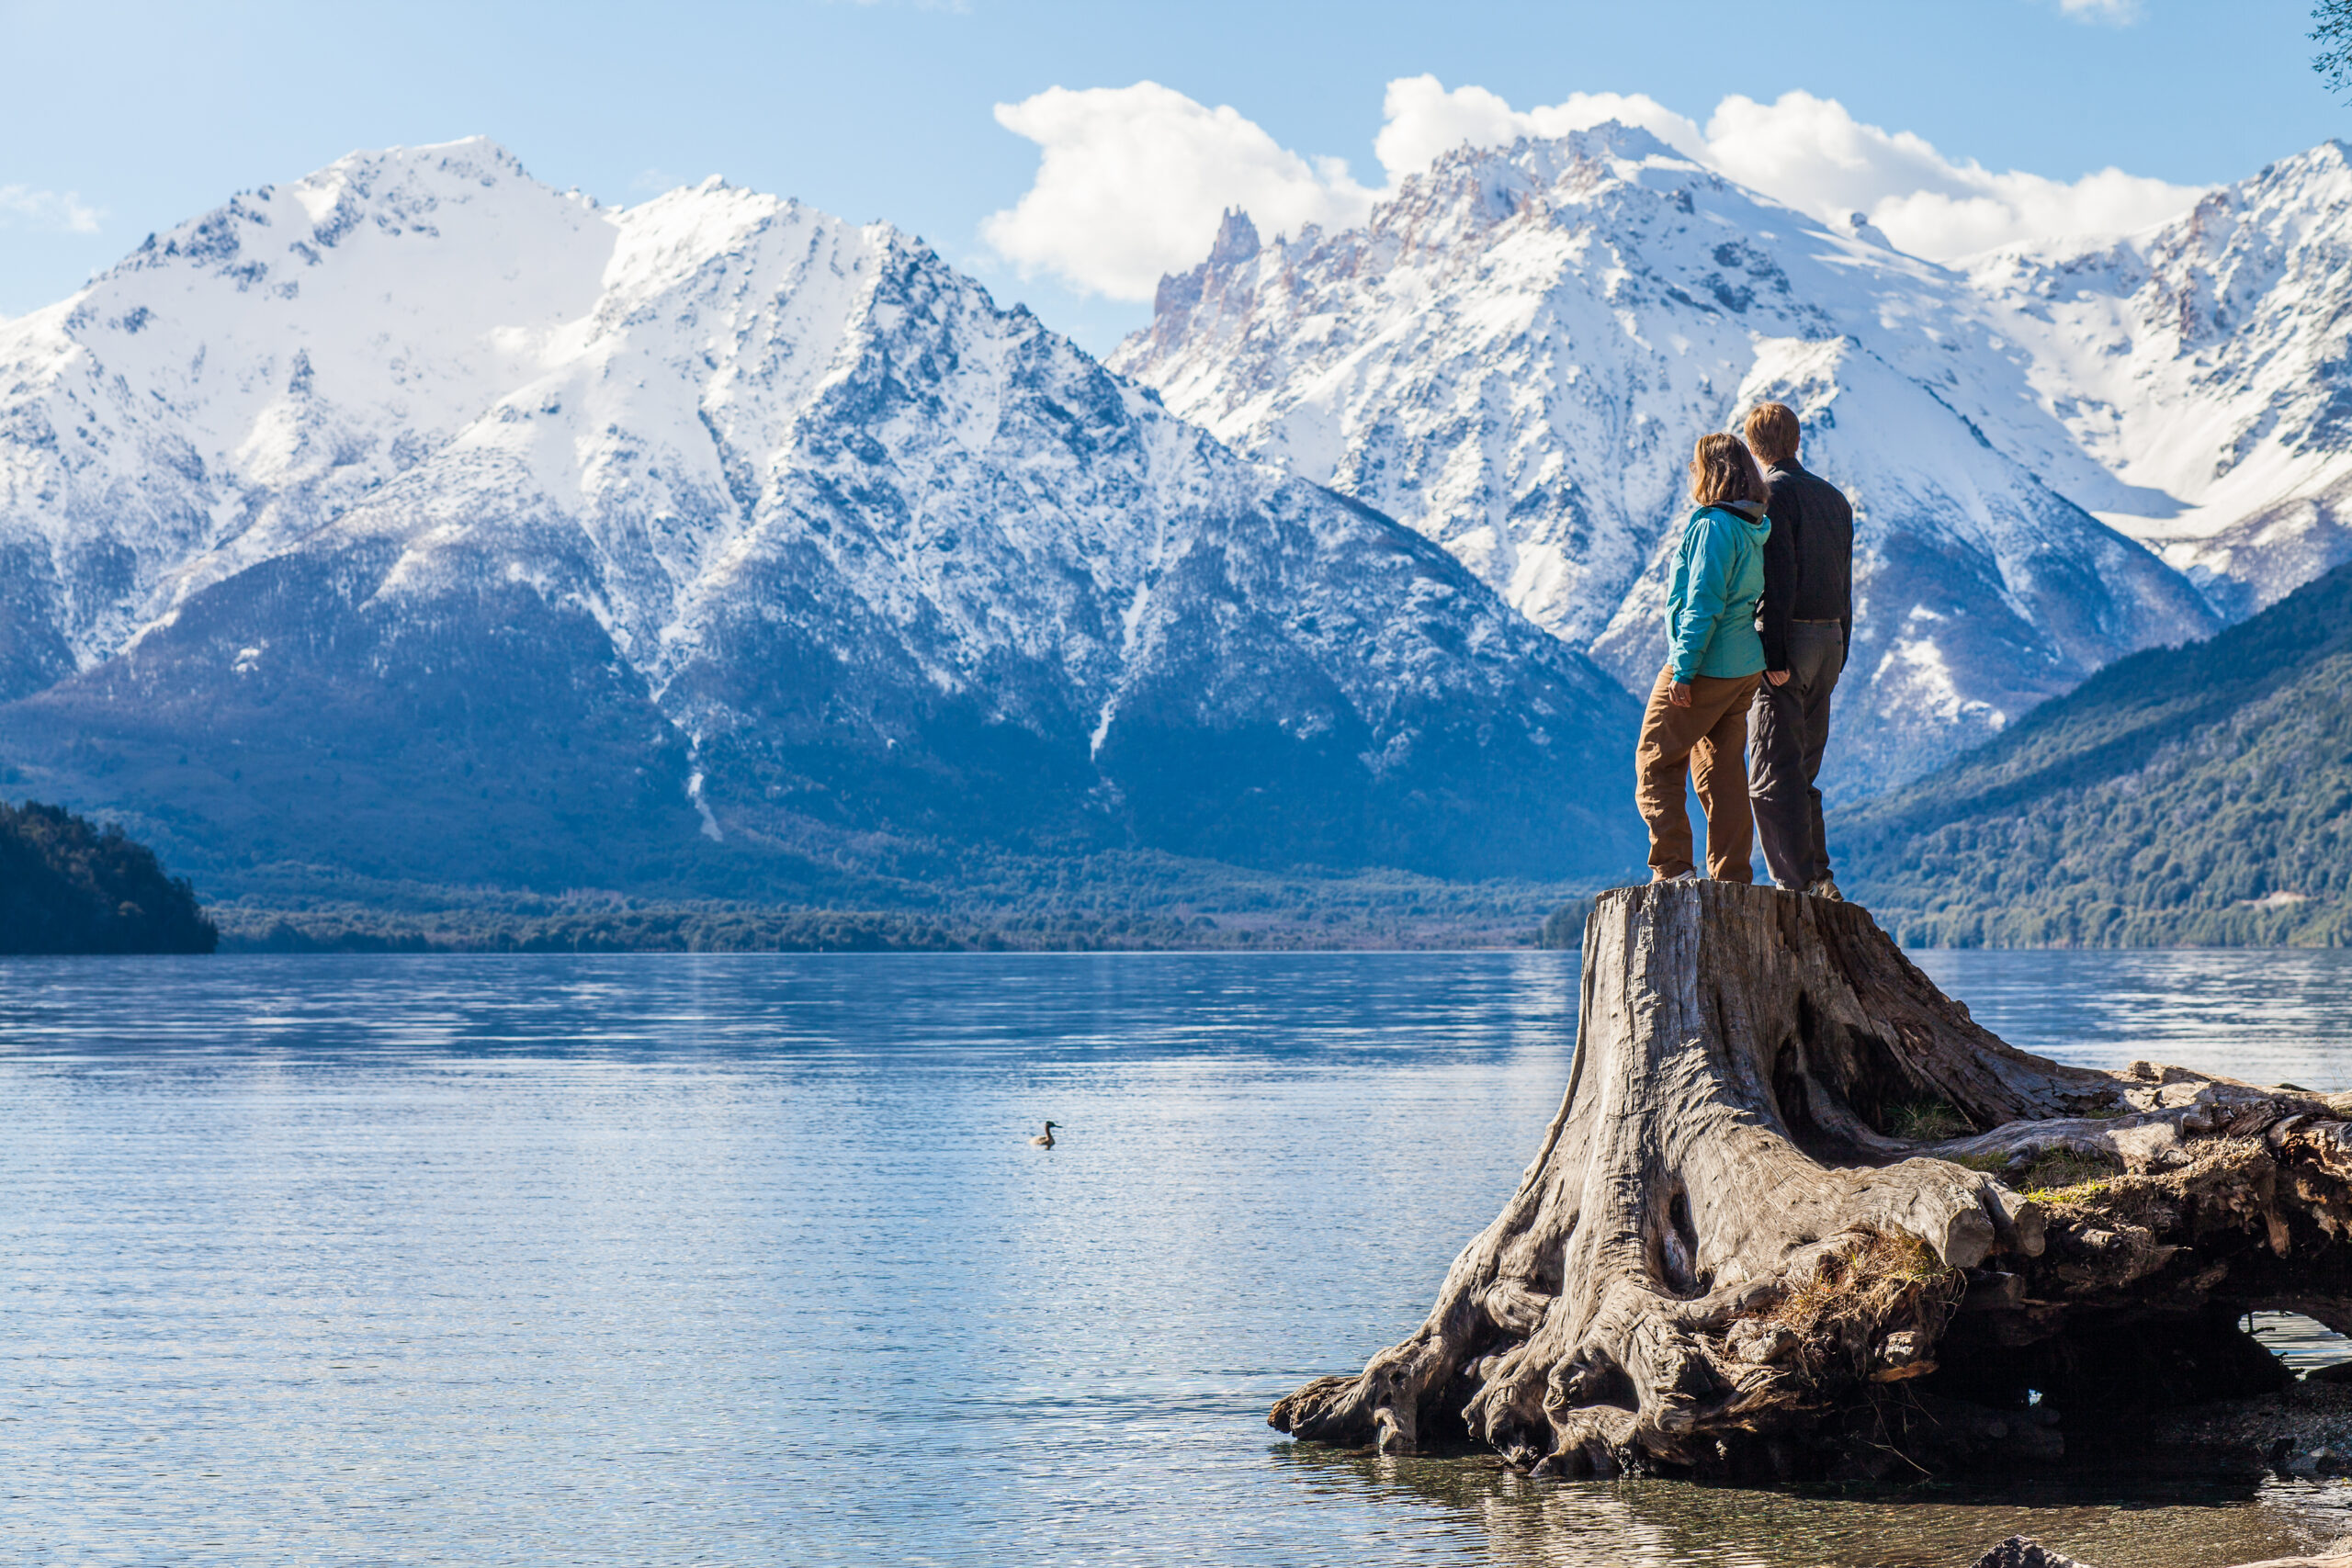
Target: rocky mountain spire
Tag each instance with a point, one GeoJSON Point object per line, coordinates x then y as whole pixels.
{"type": "Point", "coordinates": [1515, 352]}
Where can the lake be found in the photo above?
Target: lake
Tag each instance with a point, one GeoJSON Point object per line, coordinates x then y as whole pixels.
{"type": "Point", "coordinates": [746, 1258]}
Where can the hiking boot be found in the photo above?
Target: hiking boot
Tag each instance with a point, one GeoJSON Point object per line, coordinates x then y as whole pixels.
{"type": "Point", "coordinates": [1691, 874]}
{"type": "Point", "coordinates": [1826, 888]}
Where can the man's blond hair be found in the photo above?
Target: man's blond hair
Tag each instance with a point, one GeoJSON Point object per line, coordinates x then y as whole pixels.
{"type": "Point", "coordinates": [1772, 433]}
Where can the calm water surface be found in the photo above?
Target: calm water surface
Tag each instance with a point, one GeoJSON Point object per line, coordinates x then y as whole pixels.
{"type": "Point", "coordinates": [746, 1259]}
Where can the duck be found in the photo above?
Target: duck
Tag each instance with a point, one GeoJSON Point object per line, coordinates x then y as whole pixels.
{"type": "Point", "coordinates": [1044, 1140]}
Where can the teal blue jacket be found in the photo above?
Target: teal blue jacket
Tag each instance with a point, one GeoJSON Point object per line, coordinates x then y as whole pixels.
{"type": "Point", "coordinates": [1710, 606]}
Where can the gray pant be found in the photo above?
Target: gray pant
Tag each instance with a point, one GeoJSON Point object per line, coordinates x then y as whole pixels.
{"type": "Point", "coordinates": [1789, 730]}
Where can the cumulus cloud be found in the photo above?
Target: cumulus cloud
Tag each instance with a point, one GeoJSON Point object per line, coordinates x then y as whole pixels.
{"type": "Point", "coordinates": [62, 211]}
{"type": "Point", "coordinates": [1133, 180]}
{"type": "Point", "coordinates": [1421, 119]}
{"type": "Point", "coordinates": [1814, 155]}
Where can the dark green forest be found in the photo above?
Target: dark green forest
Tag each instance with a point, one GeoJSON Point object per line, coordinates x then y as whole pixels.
{"type": "Point", "coordinates": [66, 886]}
{"type": "Point", "coordinates": [2190, 795]}
{"type": "Point", "coordinates": [1125, 899]}
{"type": "Point", "coordinates": [2197, 795]}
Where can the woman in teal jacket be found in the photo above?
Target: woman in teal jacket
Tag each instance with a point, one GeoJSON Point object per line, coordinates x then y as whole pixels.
{"type": "Point", "coordinates": [1696, 724]}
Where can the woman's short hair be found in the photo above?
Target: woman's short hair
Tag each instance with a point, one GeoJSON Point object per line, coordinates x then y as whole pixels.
{"type": "Point", "coordinates": [1722, 470]}
{"type": "Point", "coordinates": [1772, 433]}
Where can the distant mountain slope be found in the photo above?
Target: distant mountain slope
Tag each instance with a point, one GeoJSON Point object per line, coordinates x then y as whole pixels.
{"type": "Point", "coordinates": [1515, 352]}
{"type": "Point", "coordinates": [418, 521]}
{"type": "Point", "coordinates": [66, 886]}
{"type": "Point", "coordinates": [2207, 365]}
{"type": "Point", "coordinates": [2191, 795]}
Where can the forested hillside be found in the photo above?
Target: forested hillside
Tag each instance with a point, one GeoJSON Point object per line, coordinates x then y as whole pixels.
{"type": "Point", "coordinates": [66, 886]}
{"type": "Point", "coordinates": [2199, 795]}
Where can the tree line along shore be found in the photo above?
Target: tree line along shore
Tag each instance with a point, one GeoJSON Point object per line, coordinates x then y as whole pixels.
{"type": "Point", "coordinates": [2194, 795]}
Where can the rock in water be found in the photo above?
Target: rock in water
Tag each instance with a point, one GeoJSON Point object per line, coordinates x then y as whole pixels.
{"type": "Point", "coordinates": [2019, 1553]}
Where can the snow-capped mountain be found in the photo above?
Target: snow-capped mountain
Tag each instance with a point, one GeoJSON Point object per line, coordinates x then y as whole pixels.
{"type": "Point", "coordinates": [420, 521]}
{"type": "Point", "coordinates": [1516, 352]}
{"type": "Point", "coordinates": [2207, 365]}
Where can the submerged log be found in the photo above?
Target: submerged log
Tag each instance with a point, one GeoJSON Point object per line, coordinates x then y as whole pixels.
{"type": "Point", "coordinates": [1798, 1214]}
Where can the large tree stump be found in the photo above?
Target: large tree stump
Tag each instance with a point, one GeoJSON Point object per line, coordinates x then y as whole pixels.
{"type": "Point", "coordinates": [1798, 1214]}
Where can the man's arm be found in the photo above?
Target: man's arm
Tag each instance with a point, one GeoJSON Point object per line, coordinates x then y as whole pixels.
{"type": "Point", "coordinates": [1845, 621]}
{"type": "Point", "coordinates": [1780, 576]}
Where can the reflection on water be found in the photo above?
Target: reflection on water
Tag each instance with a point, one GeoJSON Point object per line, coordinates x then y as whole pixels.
{"type": "Point", "coordinates": [2184, 1519]}
{"type": "Point", "coordinates": [668, 1259]}
{"type": "Point", "coordinates": [2264, 1016]}
{"type": "Point", "coordinates": [2304, 1344]}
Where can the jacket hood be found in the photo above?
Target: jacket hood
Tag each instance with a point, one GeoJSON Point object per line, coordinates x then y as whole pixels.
{"type": "Point", "coordinates": [1749, 514]}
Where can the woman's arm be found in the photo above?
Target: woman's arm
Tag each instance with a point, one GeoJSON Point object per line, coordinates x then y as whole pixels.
{"type": "Point", "coordinates": [1708, 591]}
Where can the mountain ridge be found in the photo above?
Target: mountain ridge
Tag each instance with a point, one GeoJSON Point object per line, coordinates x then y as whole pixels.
{"type": "Point", "coordinates": [755, 549]}
{"type": "Point", "coordinates": [2206, 363]}
{"type": "Point", "coordinates": [1515, 352]}
{"type": "Point", "coordinates": [415, 514]}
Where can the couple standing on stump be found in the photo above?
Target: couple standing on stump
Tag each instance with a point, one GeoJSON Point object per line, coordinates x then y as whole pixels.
{"type": "Point", "coordinates": [1759, 614]}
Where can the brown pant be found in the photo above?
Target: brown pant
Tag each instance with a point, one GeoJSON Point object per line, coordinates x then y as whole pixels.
{"type": "Point", "coordinates": [1708, 742]}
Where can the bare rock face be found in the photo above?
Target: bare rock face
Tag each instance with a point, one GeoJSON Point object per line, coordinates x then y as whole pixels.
{"type": "Point", "coordinates": [1799, 1215]}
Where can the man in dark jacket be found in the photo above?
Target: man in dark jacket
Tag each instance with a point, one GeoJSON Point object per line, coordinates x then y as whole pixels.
{"type": "Point", "coordinates": [1806, 620]}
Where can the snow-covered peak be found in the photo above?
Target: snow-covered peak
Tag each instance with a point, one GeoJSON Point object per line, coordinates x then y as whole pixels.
{"type": "Point", "coordinates": [247, 376]}
{"type": "Point", "coordinates": [260, 370]}
{"type": "Point", "coordinates": [794, 483]}
{"type": "Point", "coordinates": [1516, 351]}
{"type": "Point", "coordinates": [2202, 363]}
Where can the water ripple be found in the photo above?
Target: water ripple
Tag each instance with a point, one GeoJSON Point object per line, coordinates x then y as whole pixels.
{"type": "Point", "coordinates": [731, 1259]}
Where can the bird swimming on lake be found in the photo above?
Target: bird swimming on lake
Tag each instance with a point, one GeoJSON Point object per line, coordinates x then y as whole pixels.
{"type": "Point", "coordinates": [1044, 1140]}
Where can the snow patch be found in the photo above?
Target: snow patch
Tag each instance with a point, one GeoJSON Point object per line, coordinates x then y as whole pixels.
{"type": "Point", "coordinates": [702, 807]}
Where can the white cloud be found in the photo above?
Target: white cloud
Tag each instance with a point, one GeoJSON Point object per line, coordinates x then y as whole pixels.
{"type": "Point", "coordinates": [1133, 180]}
{"type": "Point", "coordinates": [1943, 225]}
{"type": "Point", "coordinates": [1423, 121]}
{"type": "Point", "coordinates": [55, 209]}
{"type": "Point", "coordinates": [2116, 13]}
{"type": "Point", "coordinates": [1813, 155]}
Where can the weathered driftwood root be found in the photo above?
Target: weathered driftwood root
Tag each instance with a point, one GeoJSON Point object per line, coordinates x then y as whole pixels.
{"type": "Point", "coordinates": [1798, 1214]}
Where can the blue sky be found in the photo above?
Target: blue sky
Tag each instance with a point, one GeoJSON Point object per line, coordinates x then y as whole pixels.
{"type": "Point", "coordinates": [121, 118]}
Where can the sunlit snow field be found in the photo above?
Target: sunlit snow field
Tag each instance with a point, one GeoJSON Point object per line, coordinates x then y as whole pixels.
{"type": "Point", "coordinates": [747, 1259]}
